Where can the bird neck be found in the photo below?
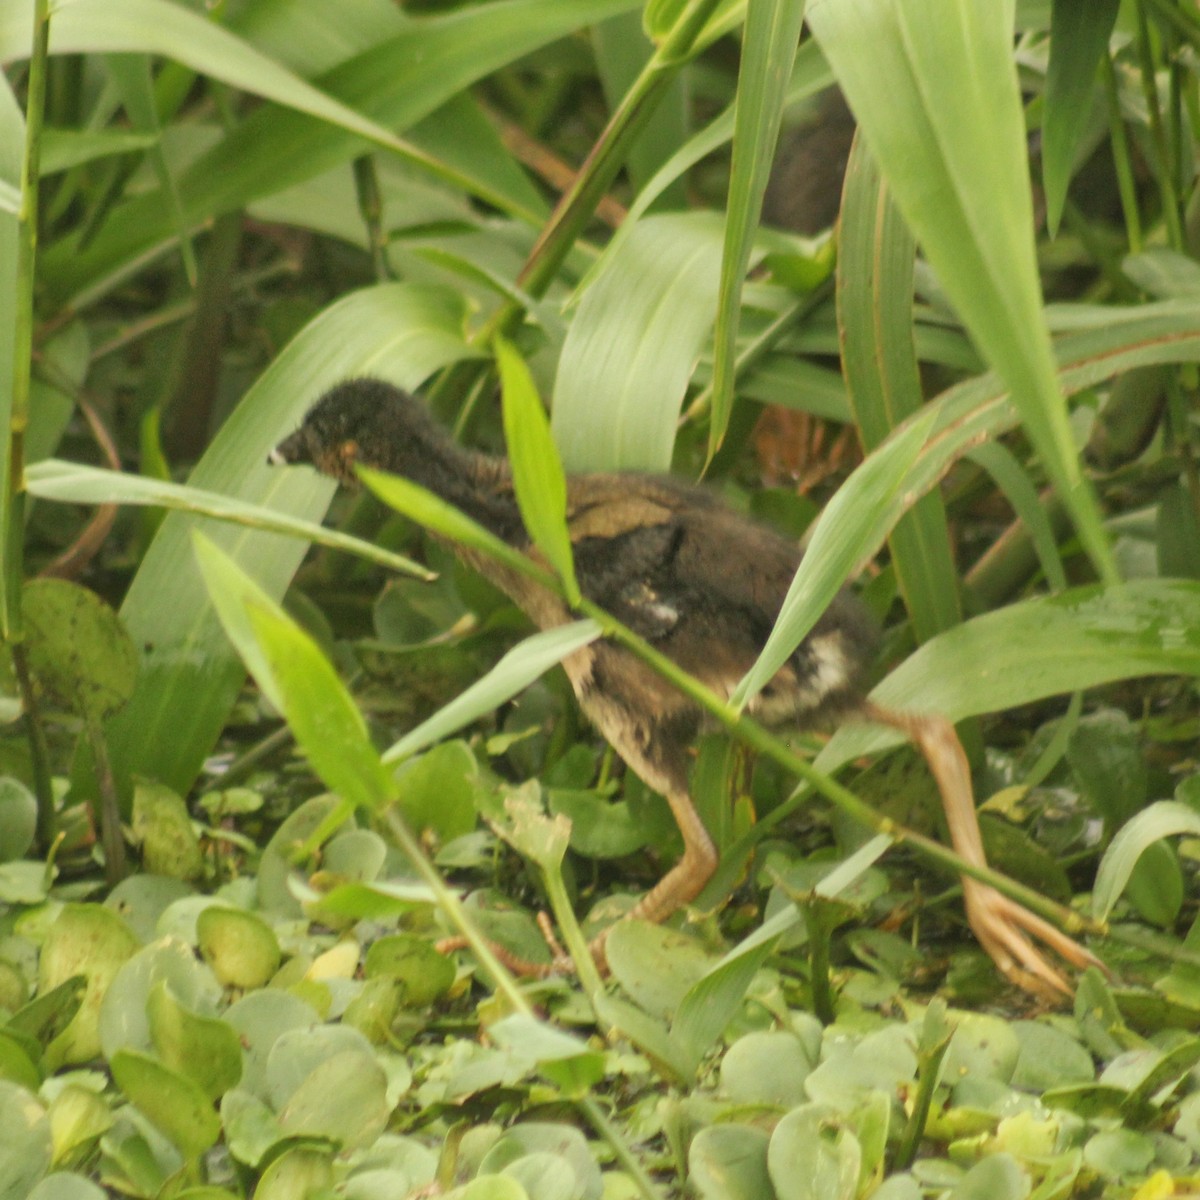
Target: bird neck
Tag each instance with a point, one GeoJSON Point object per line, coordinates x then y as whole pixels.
{"type": "Point", "coordinates": [478, 484]}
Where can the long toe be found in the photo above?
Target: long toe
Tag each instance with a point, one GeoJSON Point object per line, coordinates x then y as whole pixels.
{"type": "Point", "coordinates": [1003, 928]}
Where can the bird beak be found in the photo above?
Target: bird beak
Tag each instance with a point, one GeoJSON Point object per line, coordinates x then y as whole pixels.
{"type": "Point", "coordinates": [293, 449]}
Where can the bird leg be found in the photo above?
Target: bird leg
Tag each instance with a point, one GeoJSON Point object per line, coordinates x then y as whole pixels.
{"type": "Point", "coordinates": [1004, 927]}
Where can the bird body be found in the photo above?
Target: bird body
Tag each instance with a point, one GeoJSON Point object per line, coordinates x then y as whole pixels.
{"type": "Point", "coordinates": [701, 583]}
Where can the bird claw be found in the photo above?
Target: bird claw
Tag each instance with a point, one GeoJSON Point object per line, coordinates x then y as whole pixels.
{"type": "Point", "coordinates": [1007, 931]}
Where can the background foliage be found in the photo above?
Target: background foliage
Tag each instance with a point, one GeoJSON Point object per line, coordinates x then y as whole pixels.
{"type": "Point", "coordinates": [209, 215]}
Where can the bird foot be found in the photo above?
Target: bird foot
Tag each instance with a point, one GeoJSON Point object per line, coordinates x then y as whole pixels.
{"type": "Point", "coordinates": [1008, 931]}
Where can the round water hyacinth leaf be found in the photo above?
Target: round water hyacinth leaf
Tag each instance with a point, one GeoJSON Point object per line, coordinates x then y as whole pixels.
{"type": "Point", "coordinates": [124, 1019]}
{"type": "Point", "coordinates": [493, 1187]}
{"type": "Point", "coordinates": [140, 900]}
{"type": "Point", "coordinates": [1049, 1057]}
{"type": "Point", "coordinates": [251, 1128]}
{"type": "Point", "coordinates": [982, 1046]}
{"type": "Point", "coordinates": [61, 1186]}
{"type": "Point", "coordinates": [276, 865]}
{"type": "Point", "coordinates": [437, 791]}
{"type": "Point", "coordinates": [18, 819]}
{"type": "Point", "coordinates": [78, 1119]}
{"type": "Point", "coordinates": [91, 941]}
{"type": "Point", "coordinates": [997, 1177]}
{"type": "Point", "coordinates": [813, 1156]}
{"type": "Point", "coordinates": [344, 1099]}
{"type": "Point", "coordinates": [729, 1162]}
{"type": "Point", "coordinates": [563, 1142]}
{"type": "Point", "coordinates": [766, 1067]}
{"type": "Point", "coordinates": [655, 965]}
{"type": "Point", "coordinates": [298, 1052]}
{"type": "Point", "coordinates": [356, 855]}
{"type": "Point", "coordinates": [27, 1145]}
{"type": "Point", "coordinates": [163, 829]}
{"type": "Point", "coordinates": [423, 973]}
{"type": "Point", "coordinates": [204, 1049]}
{"type": "Point", "coordinates": [296, 1172]}
{"type": "Point", "coordinates": [544, 1176]}
{"type": "Point", "coordinates": [80, 655]}
{"type": "Point", "coordinates": [240, 946]}
{"type": "Point", "coordinates": [260, 1019]}
{"type": "Point", "coordinates": [171, 1102]}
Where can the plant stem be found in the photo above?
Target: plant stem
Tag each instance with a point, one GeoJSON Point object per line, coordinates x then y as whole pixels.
{"type": "Point", "coordinates": [1122, 161]}
{"type": "Point", "coordinates": [13, 500]}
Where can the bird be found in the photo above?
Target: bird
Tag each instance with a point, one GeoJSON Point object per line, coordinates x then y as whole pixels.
{"type": "Point", "coordinates": [701, 583]}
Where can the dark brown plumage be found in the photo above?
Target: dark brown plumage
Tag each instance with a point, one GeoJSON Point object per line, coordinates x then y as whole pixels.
{"type": "Point", "coordinates": [701, 583]}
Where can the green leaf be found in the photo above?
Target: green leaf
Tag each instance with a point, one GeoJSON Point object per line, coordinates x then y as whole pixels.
{"type": "Point", "coordinates": [729, 1162]}
{"type": "Point", "coordinates": [290, 668]}
{"type": "Point", "coordinates": [204, 1049]}
{"type": "Point", "coordinates": [66, 148]}
{"type": "Point", "coordinates": [1080, 638]}
{"type": "Point", "coordinates": [78, 483]}
{"type": "Point", "coordinates": [538, 476]}
{"type": "Point", "coordinates": [875, 326]}
{"type": "Point", "coordinates": [421, 505]}
{"type": "Point", "coordinates": [28, 1147]}
{"type": "Point", "coordinates": [633, 344]}
{"type": "Point", "coordinates": [172, 1102]}
{"type": "Point", "coordinates": [79, 652]}
{"type": "Point", "coordinates": [771, 33]}
{"type": "Point", "coordinates": [997, 1177]}
{"type": "Point", "coordinates": [934, 89]}
{"type": "Point", "coordinates": [394, 83]}
{"type": "Point", "coordinates": [1079, 33]}
{"type": "Point", "coordinates": [156, 27]}
{"type": "Point", "coordinates": [524, 663]}
{"type": "Point", "coordinates": [1164, 819]}
{"type": "Point", "coordinates": [814, 1156]}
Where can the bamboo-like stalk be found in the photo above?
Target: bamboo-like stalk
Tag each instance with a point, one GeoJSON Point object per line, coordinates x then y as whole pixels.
{"type": "Point", "coordinates": [12, 517]}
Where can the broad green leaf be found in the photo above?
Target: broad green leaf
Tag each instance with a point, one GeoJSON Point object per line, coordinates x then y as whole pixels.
{"type": "Point", "coordinates": [66, 148]}
{"type": "Point", "coordinates": [813, 1155]}
{"type": "Point", "coordinates": [769, 41]}
{"type": "Point", "coordinates": [289, 667]}
{"type": "Point", "coordinates": [538, 476]}
{"type": "Point", "coordinates": [205, 1049]}
{"type": "Point", "coordinates": [158, 27]}
{"type": "Point", "coordinates": [1164, 819]}
{"type": "Point", "coordinates": [996, 1177]}
{"type": "Point", "coordinates": [729, 1162]}
{"type": "Point", "coordinates": [79, 652]}
{"type": "Point", "coordinates": [1019, 490]}
{"type": "Point", "coordinates": [190, 675]}
{"type": "Point", "coordinates": [934, 88]}
{"type": "Point", "coordinates": [1077, 639]}
{"type": "Point", "coordinates": [28, 1149]}
{"type": "Point", "coordinates": [875, 326]}
{"type": "Point", "coordinates": [632, 346]}
{"type": "Point", "coordinates": [1079, 33]}
{"type": "Point", "coordinates": [78, 483]}
{"type": "Point", "coordinates": [710, 1003]}
{"type": "Point", "coordinates": [395, 83]}
{"type": "Point", "coordinates": [810, 74]}
{"type": "Point", "coordinates": [173, 1103]}
{"type": "Point", "coordinates": [239, 946]}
